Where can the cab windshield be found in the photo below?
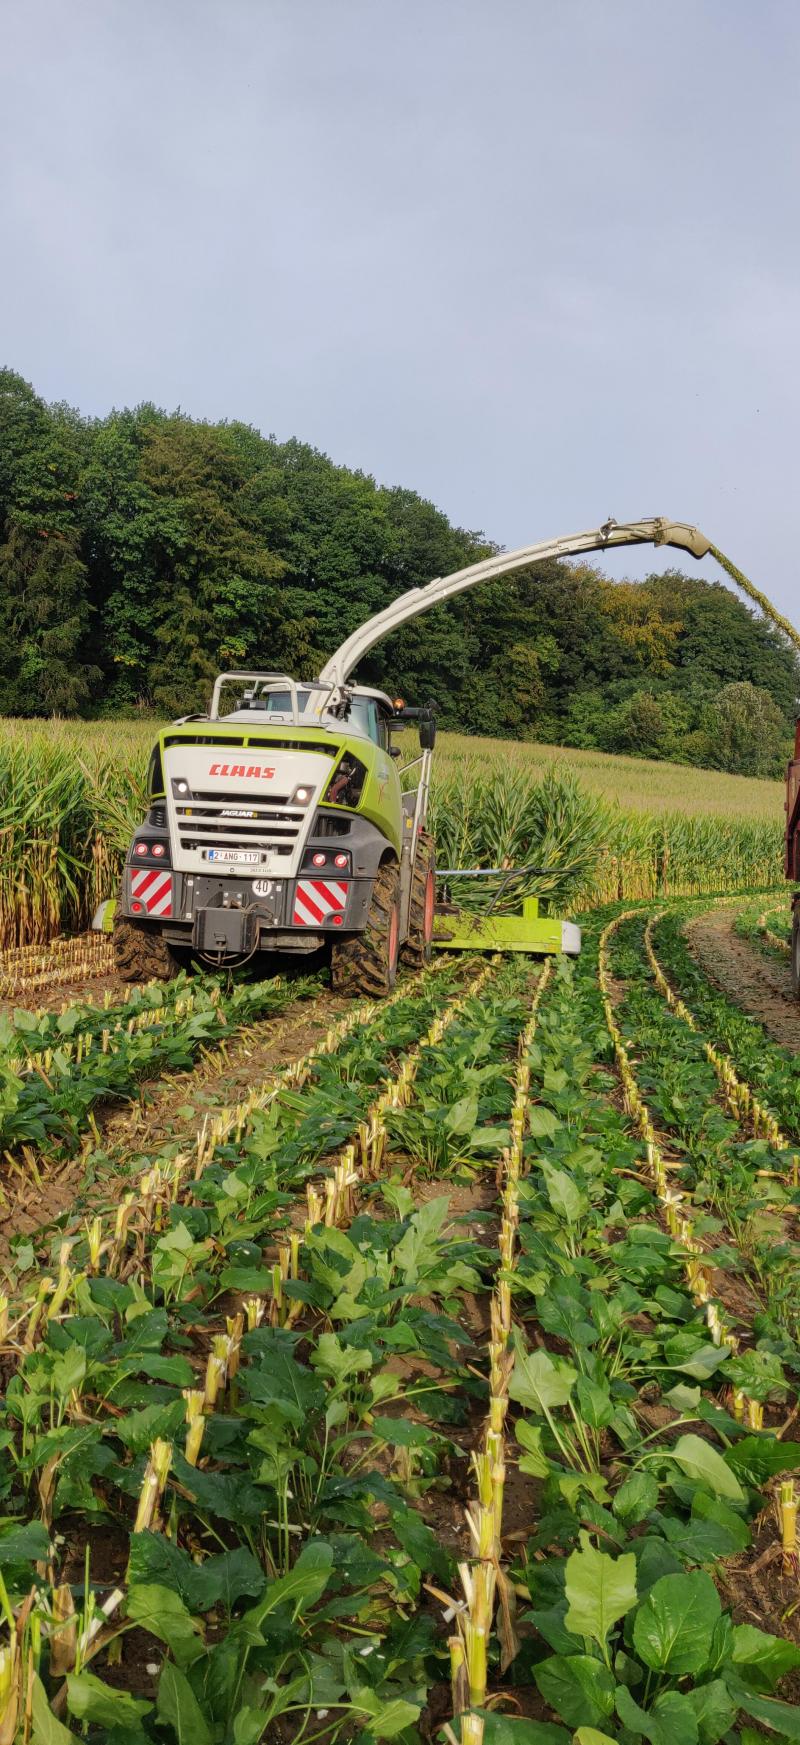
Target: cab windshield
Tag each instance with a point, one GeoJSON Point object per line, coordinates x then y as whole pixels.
{"type": "Point", "coordinates": [364, 712]}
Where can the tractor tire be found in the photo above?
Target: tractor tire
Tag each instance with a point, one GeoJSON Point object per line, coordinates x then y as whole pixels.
{"type": "Point", "coordinates": [418, 944]}
{"type": "Point", "coordinates": [366, 964]}
{"type": "Point", "coordinates": [141, 954]}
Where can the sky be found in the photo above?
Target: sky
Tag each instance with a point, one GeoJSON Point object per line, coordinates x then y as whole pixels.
{"type": "Point", "coordinates": [538, 260]}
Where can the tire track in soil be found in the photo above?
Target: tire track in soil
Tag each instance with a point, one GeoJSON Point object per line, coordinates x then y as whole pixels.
{"type": "Point", "coordinates": [760, 986]}
{"type": "Point", "coordinates": [161, 1119]}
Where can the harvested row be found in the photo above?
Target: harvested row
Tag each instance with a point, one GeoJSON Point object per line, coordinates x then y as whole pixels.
{"type": "Point", "coordinates": [611, 1432]}
{"type": "Point", "coordinates": [27, 969]}
{"type": "Point", "coordinates": [50, 1095]}
{"type": "Point", "coordinates": [269, 1408]}
{"type": "Point", "coordinates": [221, 1368]}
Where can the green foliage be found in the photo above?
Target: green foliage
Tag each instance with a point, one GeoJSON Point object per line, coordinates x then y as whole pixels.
{"type": "Point", "coordinates": [141, 552]}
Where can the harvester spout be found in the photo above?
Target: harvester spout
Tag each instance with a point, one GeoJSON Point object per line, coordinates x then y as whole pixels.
{"type": "Point", "coordinates": [655, 531]}
{"type": "Point", "coordinates": [664, 533]}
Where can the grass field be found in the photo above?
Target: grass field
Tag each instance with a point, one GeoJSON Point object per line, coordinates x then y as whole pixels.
{"type": "Point", "coordinates": [635, 783]}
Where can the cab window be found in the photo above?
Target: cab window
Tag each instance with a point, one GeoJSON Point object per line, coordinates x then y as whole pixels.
{"type": "Point", "coordinates": [364, 712]}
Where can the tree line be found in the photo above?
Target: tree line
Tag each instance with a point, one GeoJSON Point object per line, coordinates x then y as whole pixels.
{"type": "Point", "coordinates": [142, 552]}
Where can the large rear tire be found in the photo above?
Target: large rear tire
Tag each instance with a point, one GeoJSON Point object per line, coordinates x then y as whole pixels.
{"type": "Point", "coordinates": [366, 963]}
{"type": "Point", "coordinates": [417, 947]}
{"type": "Point", "coordinates": [141, 953]}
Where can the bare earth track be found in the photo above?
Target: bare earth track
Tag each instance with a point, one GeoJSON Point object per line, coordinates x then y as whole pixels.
{"type": "Point", "coordinates": [758, 985]}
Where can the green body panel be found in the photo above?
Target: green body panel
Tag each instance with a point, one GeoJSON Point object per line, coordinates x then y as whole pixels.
{"type": "Point", "coordinates": [381, 800]}
{"type": "Point", "coordinates": [529, 931]}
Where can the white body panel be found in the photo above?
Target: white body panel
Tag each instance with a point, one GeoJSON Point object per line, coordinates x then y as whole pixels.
{"type": "Point", "coordinates": [570, 939]}
{"type": "Point", "coordinates": [256, 789]}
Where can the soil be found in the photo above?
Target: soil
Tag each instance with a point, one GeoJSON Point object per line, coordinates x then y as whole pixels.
{"type": "Point", "coordinates": [761, 986]}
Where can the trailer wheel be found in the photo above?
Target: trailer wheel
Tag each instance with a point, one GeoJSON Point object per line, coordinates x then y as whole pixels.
{"type": "Point", "coordinates": [796, 952]}
{"type": "Point", "coordinates": [141, 954]}
{"type": "Point", "coordinates": [366, 963]}
{"type": "Point", "coordinates": [417, 947]}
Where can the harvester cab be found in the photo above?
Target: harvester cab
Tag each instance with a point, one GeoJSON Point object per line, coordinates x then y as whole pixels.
{"type": "Point", "coordinates": [280, 822]}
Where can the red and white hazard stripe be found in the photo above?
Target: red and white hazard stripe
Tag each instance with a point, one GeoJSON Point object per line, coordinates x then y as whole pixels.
{"type": "Point", "coordinates": [317, 899]}
{"type": "Point", "coordinates": [153, 889]}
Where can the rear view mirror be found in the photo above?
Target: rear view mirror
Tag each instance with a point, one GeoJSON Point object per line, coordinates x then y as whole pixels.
{"type": "Point", "coordinates": [427, 734]}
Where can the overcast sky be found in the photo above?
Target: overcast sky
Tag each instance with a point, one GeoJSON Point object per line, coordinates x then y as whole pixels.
{"type": "Point", "coordinates": [537, 259]}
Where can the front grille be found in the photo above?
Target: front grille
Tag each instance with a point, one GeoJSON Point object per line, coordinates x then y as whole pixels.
{"type": "Point", "coordinates": [248, 802]}
{"type": "Point", "coordinates": [218, 822]}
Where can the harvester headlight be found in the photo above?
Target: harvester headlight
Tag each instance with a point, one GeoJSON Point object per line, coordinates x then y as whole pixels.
{"type": "Point", "coordinates": [158, 849]}
{"type": "Point", "coordinates": [341, 860]}
{"type": "Point", "coordinates": [301, 796]}
{"type": "Point", "coordinates": [318, 859]}
{"type": "Point", "coordinates": [140, 847]}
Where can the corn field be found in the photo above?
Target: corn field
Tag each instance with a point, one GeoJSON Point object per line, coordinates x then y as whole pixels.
{"type": "Point", "coordinates": [72, 794]}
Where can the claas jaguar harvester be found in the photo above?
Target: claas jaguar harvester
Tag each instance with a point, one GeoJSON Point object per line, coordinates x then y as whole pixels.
{"type": "Point", "coordinates": [278, 822]}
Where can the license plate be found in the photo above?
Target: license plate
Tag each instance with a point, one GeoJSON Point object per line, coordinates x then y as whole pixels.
{"type": "Point", "coordinates": [234, 856]}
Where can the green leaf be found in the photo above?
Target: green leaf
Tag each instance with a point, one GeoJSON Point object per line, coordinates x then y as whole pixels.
{"type": "Point", "coordinates": [507, 1730]}
{"type": "Point", "coordinates": [301, 1587]}
{"type": "Point", "coordinates": [674, 1625]}
{"type": "Point", "coordinates": [175, 1370]}
{"type": "Point", "coordinates": [566, 1198]}
{"type": "Point", "coordinates": [782, 1718]}
{"type": "Point", "coordinates": [599, 1590]}
{"type": "Point", "coordinates": [47, 1730]}
{"type": "Point", "coordinates": [757, 1458]}
{"type": "Point", "coordinates": [69, 1371]}
{"type": "Point", "coordinates": [538, 1381]}
{"type": "Point", "coordinates": [534, 1461]}
{"type": "Point", "coordinates": [714, 1710]}
{"type": "Point", "coordinates": [178, 1706]}
{"type": "Point", "coordinates": [635, 1498]}
{"type": "Point", "coordinates": [576, 1687]}
{"type": "Point", "coordinates": [462, 1118]}
{"type": "Point", "coordinates": [702, 1462]}
{"type": "Point", "coordinates": [220, 1580]}
{"type": "Point", "coordinates": [401, 1432]}
{"type": "Point", "coordinates": [565, 1309]}
{"type": "Point", "coordinates": [162, 1612]}
{"type": "Point", "coordinates": [594, 1402]}
{"type": "Point", "coordinates": [419, 1246]}
{"type": "Point", "coordinates": [386, 1718]}
{"type": "Point", "coordinates": [590, 1736]}
{"type": "Point", "coordinates": [341, 1362]}
{"type": "Point", "coordinates": [700, 1363]}
{"type": "Point", "coordinates": [762, 1660]}
{"type": "Point", "coordinates": [137, 1430]}
{"type": "Point", "coordinates": [88, 1699]}
{"type": "Point", "coordinates": [28, 1544]}
{"type": "Point", "coordinates": [542, 1123]}
{"type": "Point", "coordinates": [684, 1399]}
{"type": "Point", "coordinates": [671, 1721]}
